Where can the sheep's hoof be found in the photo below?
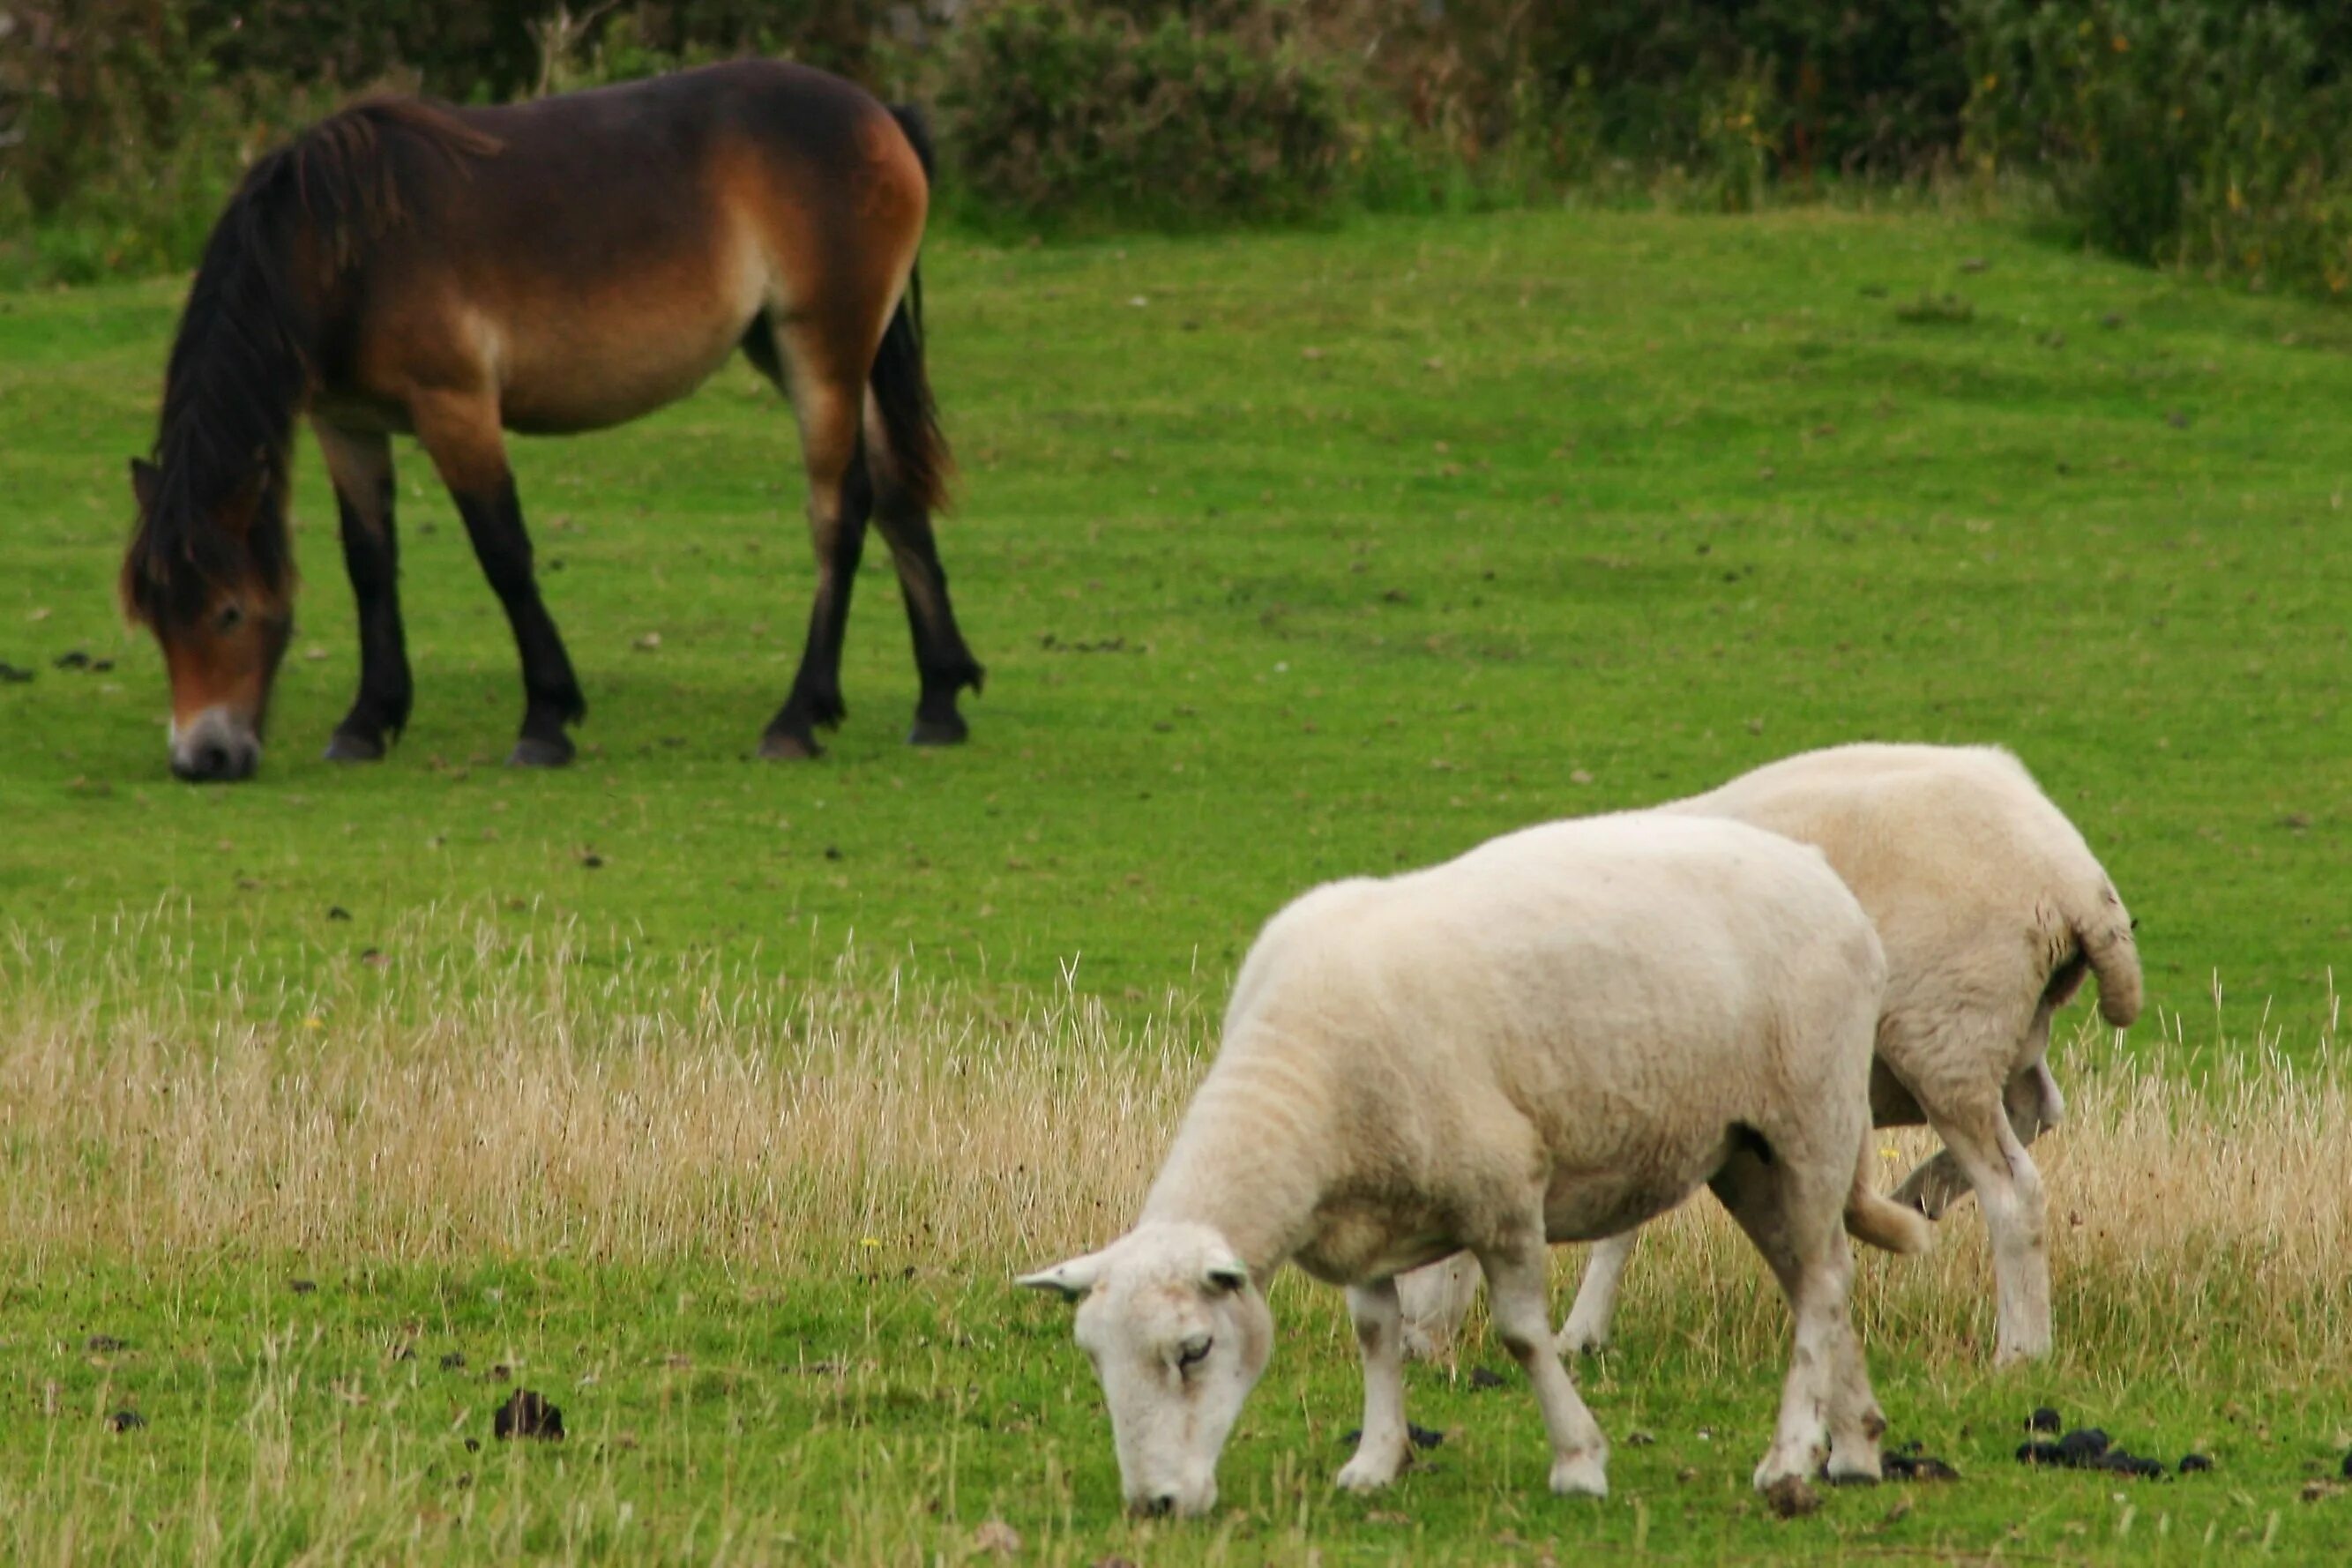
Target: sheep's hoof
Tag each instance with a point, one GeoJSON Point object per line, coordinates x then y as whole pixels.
{"type": "Point", "coordinates": [1580, 1475]}
{"type": "Point", "coordinates": [1792, 1462]}
{"type": "Point", "coordinates": [1366, 1473]}
{"type": "Point", "coordinates": [1582, 1339]}
{"type": "Point", "coordinates": [1848, 1470]}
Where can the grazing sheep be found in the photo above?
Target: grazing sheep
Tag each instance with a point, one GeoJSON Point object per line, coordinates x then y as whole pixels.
{"type": "Point", "coordinates": [1990, 908]}
{"type": "Point", "coordinates": [1557, 1035]}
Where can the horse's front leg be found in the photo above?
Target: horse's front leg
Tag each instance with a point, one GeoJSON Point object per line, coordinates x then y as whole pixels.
{"type": "Point", "coordinates": [361, 466]}
{"type": "Point", "coordinates": [462, 436]}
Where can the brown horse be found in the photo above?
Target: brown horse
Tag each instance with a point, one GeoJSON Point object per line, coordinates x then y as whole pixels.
{"type": "Point", "coordinates": [551, 266]}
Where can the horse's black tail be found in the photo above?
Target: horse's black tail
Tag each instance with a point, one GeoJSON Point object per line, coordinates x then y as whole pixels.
{"type": "Point", "coordinates": [918, 454]}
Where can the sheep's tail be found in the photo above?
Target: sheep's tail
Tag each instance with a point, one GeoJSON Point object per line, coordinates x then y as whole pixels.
{"type": "Point", "coordinates": [1881, 1221]}
{"type": "Point", "coordinates": [2104, 930]}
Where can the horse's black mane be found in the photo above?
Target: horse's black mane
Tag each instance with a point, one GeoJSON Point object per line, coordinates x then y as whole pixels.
{"type": "Point", "coordinates": [243, 360]}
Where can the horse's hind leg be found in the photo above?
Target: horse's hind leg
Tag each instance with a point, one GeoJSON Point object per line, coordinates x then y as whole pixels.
{"type": "Point", "coordinates": [462, 435]}
{"type": "Point", "coordinates": [361, 467]}
{"type": "Point", "coordinates": [841, 499]}
{"type": "Point", "coordinates": [942, 662]}
{"type": "Point", "coordinates": [826, 399]}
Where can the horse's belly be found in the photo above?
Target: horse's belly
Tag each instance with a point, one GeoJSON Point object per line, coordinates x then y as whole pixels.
{"type": "Point", "coordinates": [591, 387]}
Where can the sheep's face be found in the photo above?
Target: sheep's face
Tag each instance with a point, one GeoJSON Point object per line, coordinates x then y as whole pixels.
{"type": "Point", "coordinates": [1179, 1336]}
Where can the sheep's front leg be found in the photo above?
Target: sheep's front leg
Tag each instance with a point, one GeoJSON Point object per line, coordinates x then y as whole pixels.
{"type": "Point", "coordinates": [1380, 1333]}
{"type": "Point", "coordinates": [1587, 1328]}
{"type": "Point", "coordinates": [1515, 1296]}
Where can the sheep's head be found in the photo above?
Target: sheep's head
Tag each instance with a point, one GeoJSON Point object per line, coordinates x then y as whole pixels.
{"type": "Point", "coordinates": [1178, 1335]}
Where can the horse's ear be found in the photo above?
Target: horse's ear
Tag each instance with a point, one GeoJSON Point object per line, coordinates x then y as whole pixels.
{"type": "Point", "coordinates": [144, 482]}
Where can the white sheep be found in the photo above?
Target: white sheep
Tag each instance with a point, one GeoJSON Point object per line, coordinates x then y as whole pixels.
{"type": "Point", "coordinates": [1990, 908]}
{"type": "Point", "coordinates": [1558, 1035]}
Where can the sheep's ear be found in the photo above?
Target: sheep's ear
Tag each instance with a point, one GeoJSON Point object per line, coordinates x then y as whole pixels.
{"type": "Point", "coordinates": [1070, 1280]}
{"type": "Point", "coordinates": [144, 482]}
{"type": "Point", "coordinates": [1226, 1274]}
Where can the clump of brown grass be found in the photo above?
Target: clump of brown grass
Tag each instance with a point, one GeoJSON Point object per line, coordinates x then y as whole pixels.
{"type": "Point", "coordinates": [560, 1096]}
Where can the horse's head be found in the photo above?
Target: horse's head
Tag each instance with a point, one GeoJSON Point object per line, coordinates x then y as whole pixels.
{"type": "Point", "coordinates": [215, 583]}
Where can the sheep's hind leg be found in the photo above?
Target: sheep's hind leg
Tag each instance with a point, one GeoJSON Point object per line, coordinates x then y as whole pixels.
{"type": "Point", "coordinates": [2035, 1106]}
{"type": "Point", "coordinates": [2008, 1189]}
{"type": "Point", "coordinates": [1380, 1333]}
{"type": "Point", "coordinates": [1516, 1278]}
{"type": "Point", "coordinates": [1436, 1299]}
{"type": "Point", "coordinates": [1796, 1221]}
{"type": "Point", "coordinates": [1589, 1320]}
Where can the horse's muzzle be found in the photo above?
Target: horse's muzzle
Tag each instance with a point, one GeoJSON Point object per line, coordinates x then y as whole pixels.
{"type": "Point", "coordinates": [215, 749]}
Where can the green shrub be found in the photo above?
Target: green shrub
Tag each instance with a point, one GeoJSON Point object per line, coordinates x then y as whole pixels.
{"type": "Point", "coordinates": [2180, 132]}
{"type": "Point", "coordinates": [1055, 111]}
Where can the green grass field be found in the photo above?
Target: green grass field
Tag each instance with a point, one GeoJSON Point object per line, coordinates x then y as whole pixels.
{"type": "Point", "coordinates": [1290, 557]}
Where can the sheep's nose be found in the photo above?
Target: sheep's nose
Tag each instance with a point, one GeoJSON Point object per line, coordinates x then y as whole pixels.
{"type": "Point", "coordinates": [1159, 1507]}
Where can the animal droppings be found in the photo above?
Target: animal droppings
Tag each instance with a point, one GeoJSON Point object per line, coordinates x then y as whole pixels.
{"type": "Point", "coordinates": [125, 1421]}
{"type": "Point", "coordinates": [1907, 1463]}
{"type": "Point", "coordinates": [2347, 1467]}
{"type": "Point", "coordinates": [453, 1361]}
{"type": "Point", "coordinates": [1792, 1498]}
{"type": "Point", "coordinates": [302, 1287]}
{"type": "Point", "coordinates": [14, 676]}
{"type": "Point", "coordinates": [2041, 1454]}
{"type": "Point", "coordinates": [2083, 1445]}
{"type": "Point", "coordinates": [1485, 1377]}
{"type": "Point", "coordinates": [2191, 1464]}
{"type": "Point", "coordinates": [527, 1415]}
{"type": "Point", "coordinates": [2044, 1419]}
{"type": "Point", "coordinates": [76, 659]}
{"type": "Point", "coordinates": [2118, 1462]}
{"type": "Point", "coordinates": [104, 1344]}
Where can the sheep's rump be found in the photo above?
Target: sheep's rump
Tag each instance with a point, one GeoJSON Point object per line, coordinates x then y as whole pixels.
{"type": "Point", "coordinates": [1938, 843]}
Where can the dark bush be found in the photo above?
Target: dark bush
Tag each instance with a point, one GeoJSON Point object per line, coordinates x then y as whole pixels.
{"type": "Point", "coordinates": [2180, 132]}
{"type": "Point", "coordinates": [1055, 110]}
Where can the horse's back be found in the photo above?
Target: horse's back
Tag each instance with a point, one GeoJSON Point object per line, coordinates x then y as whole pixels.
{"type": "Point", "coordinates": [617, 245]}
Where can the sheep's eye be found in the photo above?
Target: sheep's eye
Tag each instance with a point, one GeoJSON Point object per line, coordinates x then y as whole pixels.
{"type": "Point", "coordinates": [227, 618]}
{"type": "Point", "coordinates": [1193, 1352]}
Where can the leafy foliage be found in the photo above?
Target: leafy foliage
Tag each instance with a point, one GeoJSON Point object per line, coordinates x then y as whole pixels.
{"type": "Point", "coordinates": [1056, 109]}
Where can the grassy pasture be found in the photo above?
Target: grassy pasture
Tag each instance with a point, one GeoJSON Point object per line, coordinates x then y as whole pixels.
{"type": "Point", "coordinates": [1290, 557]}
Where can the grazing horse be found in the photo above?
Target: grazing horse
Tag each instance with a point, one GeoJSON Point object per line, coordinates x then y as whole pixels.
{"type": "Point", "coordinates": [546, 268]}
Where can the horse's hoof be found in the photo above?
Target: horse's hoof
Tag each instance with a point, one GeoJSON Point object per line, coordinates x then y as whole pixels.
{"type": "Point", "coordinates": [784, 746]}
{"type": "Point", "coordinates": [346, 747]}
{"type": "Point", "coordinates": [531, 753]}
{"type": "Point", "coordinates": [948, 731]}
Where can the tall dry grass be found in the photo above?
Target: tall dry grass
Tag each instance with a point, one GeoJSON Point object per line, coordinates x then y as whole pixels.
{"type": "Point", "coordinates": [568, 1095]}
